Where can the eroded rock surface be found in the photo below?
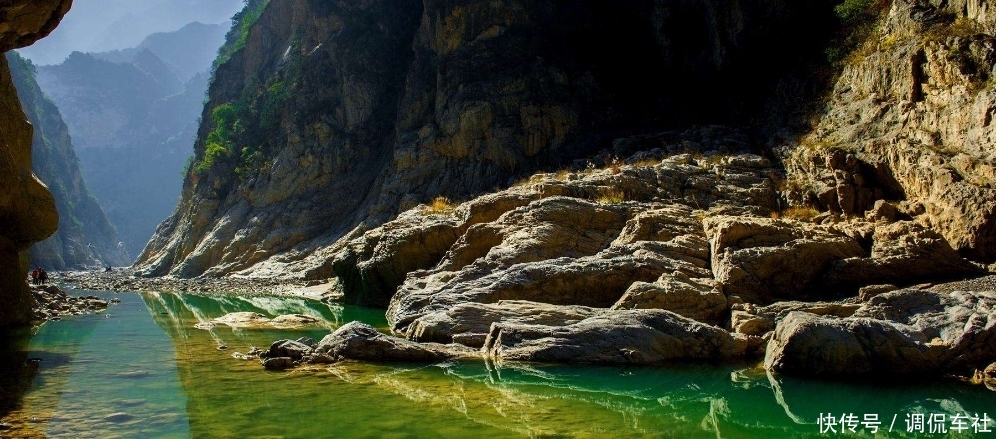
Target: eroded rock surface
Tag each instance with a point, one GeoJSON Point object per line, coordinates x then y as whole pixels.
{"type": "Point", "coordinates": [905, 332]}
{"type": "Point", "coordinates": [359, 341]}
{"type": "Point", "coordinates": [631, 336]}
{"type": "Point", "coordinates": [27, 208]}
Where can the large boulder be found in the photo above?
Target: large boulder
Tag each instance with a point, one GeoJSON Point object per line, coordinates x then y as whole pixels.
{"type": "Point", "coordinates": [699, 298]}
{"type": "Point", "coordinates": [622, 336]}
{"type": "Point", "coordinates": [469, 323]}
{"type": "Point", "coordinates": [763, 260]}
{"type": "Point", "coordinates": [597, 281]}
{"type": "Point", "coordinates": [904, 332]}
{"type": "Point", "coordinates": [360, 341]}
{"type": "Point", "coordinates": [902, 252]}
{"type": "Point", "coordinates": [749, 319]}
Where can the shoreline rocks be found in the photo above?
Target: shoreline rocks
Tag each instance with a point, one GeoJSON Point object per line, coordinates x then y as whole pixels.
{"type": "Point", "coordinates": [51, 303]}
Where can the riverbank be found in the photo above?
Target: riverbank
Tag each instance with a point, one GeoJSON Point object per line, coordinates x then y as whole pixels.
{"type": "Point", "coordinates": [123, 279]}
{"type": "Point", "coordinates": [51, 303]}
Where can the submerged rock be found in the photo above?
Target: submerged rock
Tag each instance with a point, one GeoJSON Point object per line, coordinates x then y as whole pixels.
{"type": "Point", "coordinates": [278, 363]}
{"type": "Point", "coordinates": [288, 348]}
{"type": "Point", "coordinates": [249, 319]}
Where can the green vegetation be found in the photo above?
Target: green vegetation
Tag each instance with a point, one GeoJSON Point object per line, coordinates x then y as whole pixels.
{"type": "Point", "coordinates": [219, 143]}
{"type": "Point", "coordinates": [242, 22]}
{"type": "Point", "coordinates": [859, 19]}
{"type": "Point", "coordinates": [853, 11]}
{"type": "Point", "coordinates": [610, 196]}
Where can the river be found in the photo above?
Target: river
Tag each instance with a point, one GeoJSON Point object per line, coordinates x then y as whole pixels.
{"type": "Point", "coordinates": [142, 369]}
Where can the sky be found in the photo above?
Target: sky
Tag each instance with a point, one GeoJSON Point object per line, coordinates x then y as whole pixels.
{"type": "Point", "coordinates": [101, 25]}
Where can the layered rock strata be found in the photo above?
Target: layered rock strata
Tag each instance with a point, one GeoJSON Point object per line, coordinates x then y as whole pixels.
{"type": "Point", "coordinates": [27, 209]}
{"type": "Point", "coordinates": [558, 269]}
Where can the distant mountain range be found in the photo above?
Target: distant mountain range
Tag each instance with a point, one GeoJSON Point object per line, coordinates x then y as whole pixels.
{"type": "Point", "coordinates": [132, 115]}
{"type": "Point", "coordinates": [85, 238]}
{"type": "Point", "coordinates": [104, 25]}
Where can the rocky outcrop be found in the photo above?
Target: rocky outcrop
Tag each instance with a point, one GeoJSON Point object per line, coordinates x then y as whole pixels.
{"type": "Point", "coordinates": [469, 323]}
{"type": "Point", "coordinates": [912, 119]}
{"type": "Point", "coordinates": [85, 238]}
{"type": "Point", "coordinates": [570, 273]}
{"type": "Point", "coordinates": [762, 259]}
{"type": "Point", "coordinates": [22, 22]}
{"type": "Point", "coordinates": [632, 336]}
{"type": "Point", "coordinates": [905, 332]}
{"type": "Point", "coordinates": [358, 341]}
{"type": "Point", "coordinates": [51, 303]}
{"type": "Point", "coordinates": [445, 99]}
{"type": "Point", "coordinates": [27, 209]}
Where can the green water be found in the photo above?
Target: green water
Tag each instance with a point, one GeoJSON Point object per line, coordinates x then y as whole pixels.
{"type": "Point", "coordinates": [143, 370]}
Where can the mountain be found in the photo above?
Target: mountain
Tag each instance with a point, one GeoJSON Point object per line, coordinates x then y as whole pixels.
{"type": "Point", "coordinates": [133, 116]}
{"type": "Point", "coordinates": [188, 51]}
{"type": "Point", "coordinates": [85, 238]}
{"type": "Point", "coordinates": [325, 120]}
{"type": "Point", "coordinates": [105, 25]}
{"type": "Point", "coordinates": [346, 115]}
{"type": "Point", "coordinates": [27, 208]}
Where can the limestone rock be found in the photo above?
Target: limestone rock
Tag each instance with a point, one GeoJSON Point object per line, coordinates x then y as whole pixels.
{"type": "Point", "coordinates": [622, 336]}
{"type": "Point", "coordinates": [469, 323]}
{"type": "Point", "coordinates": [905, 332]}
{"type": "Point", "coordinates": [917, 119]}
{"type": "Point", "coordinates": [598, 281]}
{"type": "Point", "coordinates": [901, 252]}
{"type": "Point", "coordinates": [697, 299]}
{"type": "Point", "coordinates": [27, 209]}
{"type": "Point", "coordinates": [359, 341]}
{"type": "Point", "coordinates": [758, 320]}
{"type": "Point", "coordinates": [22, 22]}
{"type": "Point", "coordinates": [868, 292]}
{"type": "Point", "coordinates": [288, 348]}
{"type": "Point", "coordinates": [762, 260]}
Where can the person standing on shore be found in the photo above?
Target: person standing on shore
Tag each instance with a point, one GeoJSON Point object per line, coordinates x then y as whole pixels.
{"type": "Point", "coordinates": [42, 276]}
{"type": "Point", "coordinates": [34, 276]}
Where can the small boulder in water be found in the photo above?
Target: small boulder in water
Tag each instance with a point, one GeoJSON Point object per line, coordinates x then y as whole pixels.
{"type": "Point", "coordinates": [278, 363]}
{"type": "Point", "coordinates": [288, 348]}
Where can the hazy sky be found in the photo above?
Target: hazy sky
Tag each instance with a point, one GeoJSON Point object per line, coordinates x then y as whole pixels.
{"type": "Point", "coordinates": [100, 25]}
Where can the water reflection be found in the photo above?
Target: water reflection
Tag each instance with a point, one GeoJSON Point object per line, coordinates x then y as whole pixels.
{"type": "Point", "coordinates": [211, 394]}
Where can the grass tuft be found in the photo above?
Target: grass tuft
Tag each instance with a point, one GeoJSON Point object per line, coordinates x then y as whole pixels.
{"type": "Point", "coordinates": [440, 206]}
{"type": "Point", "coordinates": [610, 196]}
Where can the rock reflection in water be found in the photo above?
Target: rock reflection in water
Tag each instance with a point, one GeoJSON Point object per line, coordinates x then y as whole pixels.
{"type": "Point", "coordinates": [179, 384]}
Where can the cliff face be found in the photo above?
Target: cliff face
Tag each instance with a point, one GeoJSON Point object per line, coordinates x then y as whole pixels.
{"type": "Point", "coordinates": [85, 237]}
{"type": "Point", "coordinates": [335, 116]}
{"type": "Point", "coordinates": [911, 120]}
{"type": "Point", "coordinates": [27, 209]}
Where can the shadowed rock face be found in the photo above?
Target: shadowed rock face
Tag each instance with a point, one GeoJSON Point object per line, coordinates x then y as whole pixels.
{"type": "Point", "coordinates": [27, 209]}
{"type": "Point", "coordinates": [389, 106]}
